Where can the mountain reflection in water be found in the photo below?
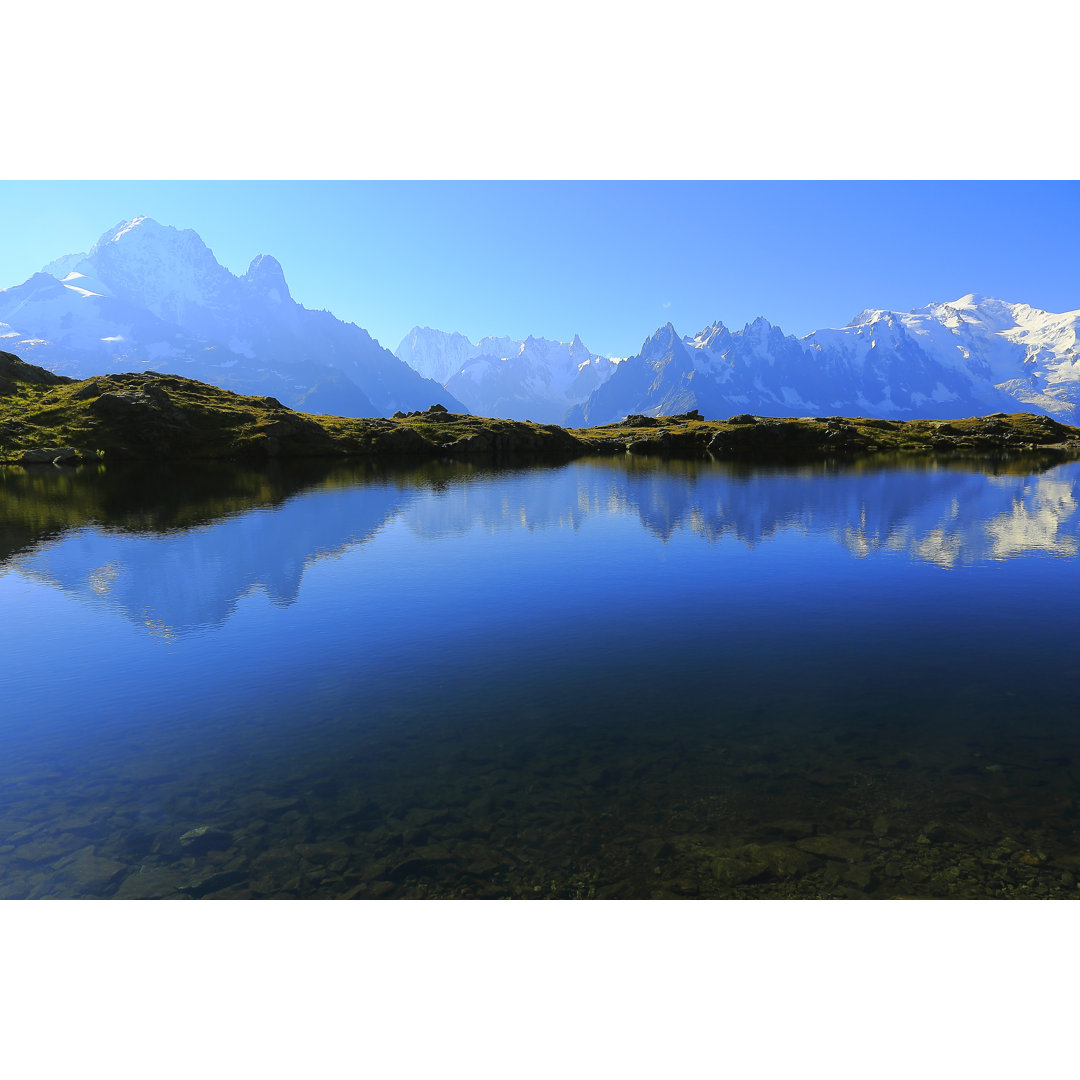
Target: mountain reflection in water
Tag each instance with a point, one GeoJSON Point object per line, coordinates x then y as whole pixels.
{"type": "Point", "coordinates": [191, 577]}
{"type": "Point", "coordinates": [618, 678]}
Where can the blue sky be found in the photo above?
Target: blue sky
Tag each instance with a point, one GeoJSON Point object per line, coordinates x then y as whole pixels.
{"type": "Point", "coordinates": [609, 260]}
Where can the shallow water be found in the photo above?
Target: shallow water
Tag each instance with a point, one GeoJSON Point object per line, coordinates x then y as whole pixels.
{"type": "Point", "coordinates": [610, 679]}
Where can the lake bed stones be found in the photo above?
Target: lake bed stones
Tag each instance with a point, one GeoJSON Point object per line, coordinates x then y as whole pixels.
{"type": "Point", "coordinates": [204, 838]}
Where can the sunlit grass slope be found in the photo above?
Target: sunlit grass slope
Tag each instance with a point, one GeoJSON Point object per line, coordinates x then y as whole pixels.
{"type": "Point", "coordinates": [148, 416]}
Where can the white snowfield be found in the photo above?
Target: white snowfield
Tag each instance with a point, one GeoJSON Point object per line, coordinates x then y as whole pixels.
{"type": "Point", "coordinates": [1031, 355]}
{"type": "Point", "coordinates": [987, 337]}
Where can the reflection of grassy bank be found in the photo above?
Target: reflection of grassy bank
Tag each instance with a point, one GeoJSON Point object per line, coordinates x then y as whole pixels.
{"type": "Point", "coordinates": [39, 503]}
{"type": "Point", "coordinates": [43, 502]}
{"type": "Point", "coordinates": [151, 417]}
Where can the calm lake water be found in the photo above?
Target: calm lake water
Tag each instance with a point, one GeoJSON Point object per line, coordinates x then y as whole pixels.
{"type": "Point", "coordinates": [612, 679]}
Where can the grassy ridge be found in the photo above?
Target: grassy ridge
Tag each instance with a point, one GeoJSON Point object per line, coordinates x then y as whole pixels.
{"type": "Point", "coordinates": [148, 416]}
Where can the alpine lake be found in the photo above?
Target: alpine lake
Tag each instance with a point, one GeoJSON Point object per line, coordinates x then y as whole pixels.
{"type": "Point", "coordinates": [623, 678]}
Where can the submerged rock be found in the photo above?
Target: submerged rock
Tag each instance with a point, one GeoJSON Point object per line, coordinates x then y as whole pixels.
{"type": "Point", "coordinates": [90, 872]}
{"type": "Point", "coordinates": [214, 883]}
{"type": "Point", "coordinates": [206, 838]}
{"type": "Point", "coordinates": [781, 860]}
{"type": "Point", "coordinates": [738, 869]}
{"type": "Point", "coordinates": [60, 455]}
{"type": "Point", "coordinates": [153, 883]}
{"type": "Point", "coordinates": [831, 847]}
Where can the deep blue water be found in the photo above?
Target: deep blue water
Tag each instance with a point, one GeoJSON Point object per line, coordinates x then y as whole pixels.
{"type": "Point", "coordinates": [609, 679]}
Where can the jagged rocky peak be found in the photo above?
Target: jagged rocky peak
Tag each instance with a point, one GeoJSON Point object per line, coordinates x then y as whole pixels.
{"type": "Point", "coordinates": [762, 333]}
{"type": "Point", "coordinates": [713, 328]}
{"type": "Point", "coordinates": [661, 342]}
{"type": "Point", "coordinates": [266, 275]}
{"type": "Point", "coordinates": [711, 337]}
{"type": "Point", "coordinates": [581, 354]}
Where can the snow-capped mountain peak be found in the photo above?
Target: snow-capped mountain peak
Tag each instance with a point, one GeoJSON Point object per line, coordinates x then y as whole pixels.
{"type": "Point", "coordinates": [973, 300]}
{"type": "Point", "coordinates": [144, 234]}
{"type": "Point", "coordinates": [124, 227]}
{"type": "Point", "coordinates": [165, 270]}
{"type": "Point", "coordinates": [866, 317]}
{"type": "Point", "coordinates": [148, 294]}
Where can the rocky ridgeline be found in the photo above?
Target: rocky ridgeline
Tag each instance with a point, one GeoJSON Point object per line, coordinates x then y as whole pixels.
{"type": "Point", "coordinates": [51, 419]}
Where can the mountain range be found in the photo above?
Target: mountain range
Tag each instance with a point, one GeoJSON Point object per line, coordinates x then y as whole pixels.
{"type": "Point", "coordinates": [149, 296]}
{"type": "Point", "coordinates": [973, 356]}
{"type": "Point", "coordinates": [535, 379]}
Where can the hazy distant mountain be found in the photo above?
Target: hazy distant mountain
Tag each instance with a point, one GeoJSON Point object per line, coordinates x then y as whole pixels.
{"type": "Point", "coordinates": [152, 296]}
{"type": "Point", "coordinates": [975, 355]}
{"type": "Point", "coordinates": [535, 379]}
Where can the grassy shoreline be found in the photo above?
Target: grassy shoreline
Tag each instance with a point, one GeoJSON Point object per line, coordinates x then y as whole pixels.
{"type": "Point", "coordinates": [50, 419]}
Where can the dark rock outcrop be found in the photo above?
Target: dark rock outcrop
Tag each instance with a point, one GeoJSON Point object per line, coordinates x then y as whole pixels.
{"type": "Point", "coordinates": [14, 371]}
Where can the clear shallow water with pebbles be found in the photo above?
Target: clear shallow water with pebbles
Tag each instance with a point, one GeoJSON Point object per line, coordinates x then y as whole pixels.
{"type": "Point", "coordinates": [612, 679]}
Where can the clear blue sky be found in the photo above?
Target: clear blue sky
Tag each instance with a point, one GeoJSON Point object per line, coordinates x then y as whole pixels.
{"type": "Point", "coordinates": [610, 261]}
